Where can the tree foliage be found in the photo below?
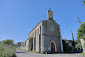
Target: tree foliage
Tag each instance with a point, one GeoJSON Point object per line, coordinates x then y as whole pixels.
{"type": "Point", "coordinates": [8, 41]}
{"type": "Point", "coordinates": [78, 45]}
{"type": "Point", "coordinates": [7, 50]}
{"type": "Point", "coordinates": [66, 46]}
{"type": "Point", "coordinates": [84, 2]}
{"type": "Point", "coordinates": [81, 31]}
{"type": "Point", "coordinates": [80, 34]}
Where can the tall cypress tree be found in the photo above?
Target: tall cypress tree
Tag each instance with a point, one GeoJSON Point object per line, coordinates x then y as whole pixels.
{"type": "Point", "coordinates": [72, 36]}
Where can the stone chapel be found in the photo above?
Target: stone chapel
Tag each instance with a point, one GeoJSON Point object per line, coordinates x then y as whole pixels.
{"type": "Point", "coordinates": [46, 36]}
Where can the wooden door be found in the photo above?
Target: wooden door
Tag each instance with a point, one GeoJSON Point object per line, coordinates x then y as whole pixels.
{"type": "Point", "coordinates": [52, 47]}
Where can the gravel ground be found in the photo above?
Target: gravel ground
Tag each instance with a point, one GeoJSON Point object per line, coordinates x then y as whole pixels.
{"type": "Point", "coordinates": [20, 53]}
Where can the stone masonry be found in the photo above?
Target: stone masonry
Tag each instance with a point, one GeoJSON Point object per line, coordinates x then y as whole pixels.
{"type": "Point", "coordinates": [46, 36]}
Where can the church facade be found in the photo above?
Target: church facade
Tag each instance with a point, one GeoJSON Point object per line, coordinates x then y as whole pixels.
{"type": "Point", "coordinates": [46, 36]}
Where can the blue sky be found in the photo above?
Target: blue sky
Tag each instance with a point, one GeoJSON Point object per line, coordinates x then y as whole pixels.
{"type": "Point", "coordinates": [19, 17]}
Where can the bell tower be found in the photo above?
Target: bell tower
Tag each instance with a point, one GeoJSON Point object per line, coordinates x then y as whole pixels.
{"type": "Point", "coordinates": [50, 15]}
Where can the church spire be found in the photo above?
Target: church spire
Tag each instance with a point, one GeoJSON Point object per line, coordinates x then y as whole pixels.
{"type": "Point", "coordinates": [50, 15]}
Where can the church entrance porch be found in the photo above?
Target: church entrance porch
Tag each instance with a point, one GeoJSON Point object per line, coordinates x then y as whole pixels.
{"type": "Point", "coordinates": [31, 44]}
{"type": "Point", "coordinates": [52, 47]}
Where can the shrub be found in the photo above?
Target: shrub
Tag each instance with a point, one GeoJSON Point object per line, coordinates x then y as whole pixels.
{"type": "Point", "coordinates": [78, 45]}
{"type": "Point", "coordinates": [6, 50]}
{"type": "Point", "coordinates": [84, 37]}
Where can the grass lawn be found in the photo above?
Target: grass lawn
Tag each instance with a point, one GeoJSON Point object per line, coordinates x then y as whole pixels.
{"type": "Point", "coordinates": [35, 52]}
{"type": "Point", "coordinates": [82, 54]}
{"type": "Point", "coordinates": [22, 49]}
{"type": "Point", "coordinates": [31, 51]}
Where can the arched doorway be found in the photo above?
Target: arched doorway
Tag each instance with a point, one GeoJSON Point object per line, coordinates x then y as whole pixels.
{"type": "Point", "coordinates": [52, 47]}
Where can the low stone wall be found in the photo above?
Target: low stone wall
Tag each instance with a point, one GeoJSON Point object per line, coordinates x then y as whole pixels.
{"type": "Point", "coordinates": [82, 42]}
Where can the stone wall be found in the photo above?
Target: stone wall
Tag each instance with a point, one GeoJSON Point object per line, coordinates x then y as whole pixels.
{"type": "Point", "coordinates": [82, 42]}
{"type": "Point", "coordinates": [42, 35]}
{"type": "Point", "coordinates": [27, 44]}
{"type": "Point", "coordinates": [51, 33]}
{"type": "Point", "coordinates": [36, 35]}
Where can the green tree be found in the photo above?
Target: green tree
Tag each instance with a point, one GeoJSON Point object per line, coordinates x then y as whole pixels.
{"type": "Point", "coordinates": [84, 2]}
{"type": "Point", "coordinates": [8, 41]}
{"type": "Point", "coordinates": [81, 31]}
{"type": "Point", "coordinates": [80, 34]}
